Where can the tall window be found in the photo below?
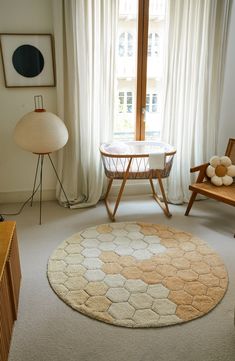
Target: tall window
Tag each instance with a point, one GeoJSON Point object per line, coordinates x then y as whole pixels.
{"type": "Point", "coordinates": [140, 50]}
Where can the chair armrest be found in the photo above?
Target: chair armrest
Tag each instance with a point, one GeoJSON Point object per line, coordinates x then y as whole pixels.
{"type": "Point", "coordinates": [199, 167]}
{"type": "Point", "coordinates": [202, 171]}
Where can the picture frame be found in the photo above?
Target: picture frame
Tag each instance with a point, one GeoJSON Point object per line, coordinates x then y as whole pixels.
{"type": "Point", "coordinates": [28, 60]}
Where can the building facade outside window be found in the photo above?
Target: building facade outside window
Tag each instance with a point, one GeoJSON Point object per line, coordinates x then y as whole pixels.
{"type": "Point", "coordinates": [125, 44]}
{"type": "Point", "coordinates": [153, 44]}
{"type": "Point", "coordinates": [125, 102]}
{"type": "Point", "coordinates": [151, 103]}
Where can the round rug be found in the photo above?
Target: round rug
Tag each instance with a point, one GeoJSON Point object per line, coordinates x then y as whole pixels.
{"type": "Point", "coordinates": [137, 274]}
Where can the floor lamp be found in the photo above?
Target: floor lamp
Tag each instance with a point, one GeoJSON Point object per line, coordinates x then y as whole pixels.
{"type": "Point", "coordinates": [41, 133]}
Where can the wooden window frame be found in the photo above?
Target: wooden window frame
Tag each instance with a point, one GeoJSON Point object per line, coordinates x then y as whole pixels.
{"type": "Point", "coordinates": [143, 20]}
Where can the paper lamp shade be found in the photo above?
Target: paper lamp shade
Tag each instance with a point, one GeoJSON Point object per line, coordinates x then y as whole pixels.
{"type": "Point", "coordinates": [40, 132]}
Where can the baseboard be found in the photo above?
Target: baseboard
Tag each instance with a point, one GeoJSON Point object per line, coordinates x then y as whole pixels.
{"type": "Point", "coordinates": [22, 196]}
{"type": "Point", "coordinates": [136, 187]}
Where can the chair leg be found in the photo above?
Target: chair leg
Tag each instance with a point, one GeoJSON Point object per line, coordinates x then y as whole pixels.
{"type": "Point", "coordinates": [190, 203]}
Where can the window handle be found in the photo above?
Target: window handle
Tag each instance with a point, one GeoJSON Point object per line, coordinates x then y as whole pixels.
{"type": "Point", "coordinates": [143, 111]}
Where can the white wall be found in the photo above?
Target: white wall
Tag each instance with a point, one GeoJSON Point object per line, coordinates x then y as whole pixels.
{"type": "Point", "coordinates": [17, 167]}
{"type": "Point", "coordinates": [227, 116]}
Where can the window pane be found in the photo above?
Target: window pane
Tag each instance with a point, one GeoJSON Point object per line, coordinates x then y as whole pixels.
{"type": "Point", "coordinates": [154, 98]}
{"type": "Point", "coordinates": [121, 102]}
{"type": "Point", "coordinates": [122, 44]}
{"type": "Point", "coordinates": [147, 102]}
{"type": "Point", "coordinates": [129, 102]}
{"type": "Point", "coordinates": [149, 44]}
{"type": "Point", "coordinates": [154, 103]}
{"type": "Point", "coordinates": [153, 118]}
{"type": "Point", "coordinates": [130, 45]}
{"type": "Point", "coordinates": [156, 44]}
{"type": "Point", "coordinates": [126, 63]}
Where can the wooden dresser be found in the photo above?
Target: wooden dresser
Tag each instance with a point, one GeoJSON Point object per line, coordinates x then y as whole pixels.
{"type": "Point", "coordinates": [10, 276]}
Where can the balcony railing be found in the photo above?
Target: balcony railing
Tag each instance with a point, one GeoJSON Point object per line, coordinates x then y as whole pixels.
{"type": "Point", "coordinates": [126, 136]}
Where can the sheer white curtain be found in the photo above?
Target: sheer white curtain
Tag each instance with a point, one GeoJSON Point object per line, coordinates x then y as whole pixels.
{"type": "Point", "coordinates": [85, 33]}
{"type": "Point", "coordinates": [194, 74]}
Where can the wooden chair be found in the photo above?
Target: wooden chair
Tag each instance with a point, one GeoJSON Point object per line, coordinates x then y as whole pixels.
{"type": "Point", "coordinates": [225, 194]}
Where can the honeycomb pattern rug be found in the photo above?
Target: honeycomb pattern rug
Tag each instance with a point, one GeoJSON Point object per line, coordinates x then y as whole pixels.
{"type": "Point", "coordinates": [137, 274]}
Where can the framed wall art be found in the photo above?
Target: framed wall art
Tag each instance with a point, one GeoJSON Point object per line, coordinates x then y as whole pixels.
{"type": "Point", "coordinates": [27, 60]}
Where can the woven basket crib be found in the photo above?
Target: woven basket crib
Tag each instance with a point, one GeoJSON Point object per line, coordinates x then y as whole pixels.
{"type": "Point", "coordinates": [130, 160]}
{"type": "Point", "coordinates": [116, 157]}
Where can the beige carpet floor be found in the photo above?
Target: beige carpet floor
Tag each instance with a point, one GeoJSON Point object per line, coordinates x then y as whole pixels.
{"type": "Point", "coordinates": [48, 330]}
{"type": "Point", "coordinates": [137, 274]}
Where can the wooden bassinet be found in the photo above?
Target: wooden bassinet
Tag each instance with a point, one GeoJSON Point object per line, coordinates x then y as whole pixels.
{"type": "Point", "coordinates": [130, 160]}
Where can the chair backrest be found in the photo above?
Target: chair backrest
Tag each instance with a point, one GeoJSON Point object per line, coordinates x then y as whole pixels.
{"type": "Point", "coordinates": [230, 151]}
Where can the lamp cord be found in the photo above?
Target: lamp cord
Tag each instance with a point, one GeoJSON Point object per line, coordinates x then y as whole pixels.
{"type": "Point", "coordinates": [21, 208]}
{"type": "Point", "coordinates": [36, 189]}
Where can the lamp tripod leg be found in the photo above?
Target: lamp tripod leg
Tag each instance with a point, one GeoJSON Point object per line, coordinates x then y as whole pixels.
{"type": "Point", "coordinates": [40, 203]}
{"type": "Point", "coordinates": [57, 176]}
{"type": "Point", "coordinates": [35, 179]}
